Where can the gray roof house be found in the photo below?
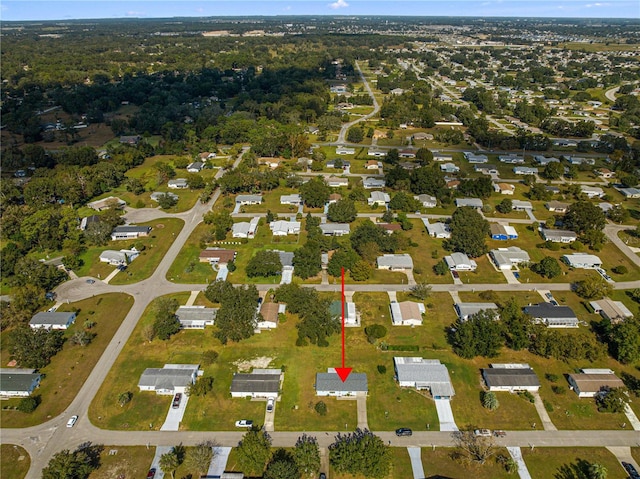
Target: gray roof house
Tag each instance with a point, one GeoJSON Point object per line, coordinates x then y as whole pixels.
{"type": "Point", "coordinates": [107, 203]}
{"type": "Point", "coordinates": [54, 320]}
{"type": "Point", "coordinates": [582, 260]}
{"type": "Point", "coordinates": [395, 261]}
{"type": "Point", "coordinates": [170, 379]}
{"type": "Point", "coordinates": [178, 183]}
{"type": "Point", "coordinates": [427, 201]}
{"type": "Point", "coordinates": [15, 382]}
{"type": "Point", "coordinates": [293, 199]}
{"type": "Point", "coordinates": [553, 316]}
{"type": "Point", "coordinates": [195, 167]}
{"type": "Point", "coordinates": [519, 205]}
{"type": "Point", "coordinates": [249, 199]}
{"type": "Point", "coordinates": [117, 258]}
{"type": "Point", "coordinates": [158, 195]}
{"type": "Point", "coordinates": [261, 383]}
{"type": "Point", "coordinates": [330, 384]}
{"type": "Point", "coordinates": [511, 378]}
{"type": "Point", "coordinates": [543, 160]}
{"type": "Point", "coordinates": [337, 182]}
{"type": "Point", "coordinates": [335, 229]}
{"type": "Point", "coordinates": [422, 373]}
{"type": "Point", "coordinates": [129, 232]}
{"type": "Point", "coordinates": [372, 182]}
{"type": "Point", "coordinates": [558, 236]}
{"type": "Point", "coordinates": [465, 310]}
{"type": "Point", "coordinates": [472, 202]}
{"type": "Point", "coordinates": [525, 170]}
{"type": "Point", "coordinates": [460, 262]}
{"type": "Point", "coordinates": [378, 198]}
{"type": "Point", "coordinates": [196, 317]}
{"type": "Point", "coordinates": [437, 230]}
{"type": "Point", "coordinates": [506, 258]}
{"type": "Point", "coordinates": [245, 229]}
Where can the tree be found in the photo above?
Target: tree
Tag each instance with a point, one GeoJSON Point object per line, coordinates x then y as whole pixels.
{"type": "Point", "coordinates": [282, 466]}
{"type": "Point", "coordinates": [404, 202]}
{"type": "Point", "coordinates": [361, 271]}
{"type": "Point", "coordinates": [321, 408]}
{"type": "Point", "coordinates": [473, 447]}
{"type": "Point", "coordinates": [421, 291]}
{"type": "Point", "coordinates": [342, 258]}
{"type": "Point", "coordinates": [264, 263]}
{"type": "Point", "coordinates": [169, 462]}
{"type": "Point", "coordinates": [469, 231]}
{"type": "Point", "coordinates": [614, 400]}
{"type": "Point", "coordinates": [34, 348]}
{"type": "Point", "coordinates": [315, 192]}
{"type": "Point", "coordinates": [625, 341]}
{"type": "Point", "coordinates": [166, 322]}
{"type": "Point", "coordinates": [29, 404]}
{"type": "Point", "coordinates": [236, 319]}
{"type": "Point", "coordinates": [195, 181]}
{"type": "Point", "coordinates": [593, 287]}
{"type": "Point", "coordinates": [549, 267]}
{"type": "Point", "coordinates": [597, 471]}
{"type": "Point", "coordinates": [201, 387]}
{"type": "Point", "coordinates": [253, 451]}
{"type": "Point", "coordinates": [342, 211]}
{"type": "Point", "coordinates": [355, 134]}
{"type": "Point", "coordinates": [199, 457]}
{"type": "Point", "coordinates": [82, 337]}
{"type": "Point", "coordinates": [125, 398]}
{"type": "Point", "coordinates": [441, 268]}
{"type": "Point", "coordinates": [307, 260]}
{"type": "Point", "coordinates": [424, 156]}
{"type": "Point", "coordinates": [505, 206]}
{"type": "Point", "coordinates": [479, 335]}
{"type": "Point", "coordinates": [553, 170]}
{"type": "Point", "coordinates": [584, 216]}
{"type": "Point", "coordinates": [73, 465]}
{"type": "Point", "coordinates": [517, 325]}
{"type": "Point", "coordinates": [360, 452]}
{"type": "Point", "coordinates": [618, 214]}
{"type": "Point", "coordinates": [490, 401]}
{"type": "Point", "coordinates": [306, 455]}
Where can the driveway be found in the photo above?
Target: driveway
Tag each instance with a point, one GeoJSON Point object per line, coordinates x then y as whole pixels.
{"type": "Point", "coordinates": [416, 462]}
{"type": "Point", "coordinates": [174, 416]}
{"type": "Point", "coordinates": [362, 411]}
{"type": "Point", "coordinates": [516, 455]}
{"type": "Point", "coordinates": [160, 450]}
{"type": "Point", "coordinates": [269, 418]}
{"type": "Point", "coordinates": [445, 415]}
{"type": "Point", "coordinates": [509, 276]}
{"type": "Point", "coordinates": [219, 461]}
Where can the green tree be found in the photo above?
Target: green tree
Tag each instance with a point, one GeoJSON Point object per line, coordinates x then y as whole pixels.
{"type": "Point", "coordinates": [167, 201]}
{"type": "Point", "coordinates": [282, 466]}
{"type": "Point", "coordinates": [73, 465]}
{"type": "Point", "coordinates": [166, 322]}
{"type": "Point", "coordinates": [199, 457]}
{"type": "Point", "coordinates": [355, 134]}
{"type": "Point", "coordinates": [597, 471]}
{"type": "Point", "coordinates": [34, 348]}
{"type": "Point", "coordinates": [549, 267]}
{"type": "Point", "coordinates": [342, 211]}
{"type": "Point", "coordinates": [253, 452]}
{"type": "Point", "coordinates": [195, 181]}
{"type": "Point", "coordinates": [201, 387]}
{"type": "Point", "coordinates": [584, 216]}
{"type": "Point", "coordinates": [517, 325]}
{"type": "Point", "coordinates": [505, 206]}
{"type": "Point", "coordinates": [307, 260]}
{"type": "Point", "coordinates": [360, 452]}
{"type": "Point", "coordinates": [125, 398]}
{"type": "Point", "coordinates": [321, 408]}
{"type": "Point", "coordinates": [469, 231]}
{"type": "Point", "coordinates": [625, 341]}
{"type": "Point", "coordinates": [28, 404]}
{"type": "Point", "coordinates": [169, 463]}
{"type": "Point", "coordinates": [479, 335]}
{"type": "Point", "coordinates": [236, 319]}
{"type": "Point", "coordinates": [361, 271]}
{"type": "Point", "coordinates": [490, 401]}
{"type": "Point", "coordinates": [421, 291]}
{"type": "Point", "coordinates": [265, 263]}
{"type": "Point", "coordinates": [613, 400]}
{"type": "Point", "coordinates": [342, 258]}
{"type": "Point", "coordinates": [553, 170]}
{"type": "Point", "coordinates": [404, 202]}
{"type": "Point", "coordinates": [306, 455]}
{"type": "Point", "coordinates": [593, 287]}
{"type": "Point", "coordinates": [315, 192]}
{"type": "Point", "coordinates": [618, 214]}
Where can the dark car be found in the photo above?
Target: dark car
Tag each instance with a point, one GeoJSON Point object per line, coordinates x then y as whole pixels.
{"type": "Point", "coordinates": [404, 431]}
{"type": "Point", "coordinates": [323, 475]}
{"type": "Point", "coordinates": [152, 473]}
{"type": "Point", "coordinates": [176, 401]}
{"type": "Point", "coordinates": [631, 470]}
{"type": "Point", "coordinates": [455, 274]}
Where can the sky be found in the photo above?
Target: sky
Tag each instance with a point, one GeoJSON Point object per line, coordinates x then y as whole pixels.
{"type": "Point", "coordinates": [83, 9]}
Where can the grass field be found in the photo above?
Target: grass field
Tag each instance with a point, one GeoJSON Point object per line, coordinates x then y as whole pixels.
{"type": "Point", "coordinates": [127, 462]}
{"type": "Point", "coordinates": [69, 369]}
{"type": "Point", "coordinates": [567, 463]}
{"type": "Point", "coordinates": [15, 461]}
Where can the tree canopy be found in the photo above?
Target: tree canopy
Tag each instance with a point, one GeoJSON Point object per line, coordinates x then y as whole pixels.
{"type": "Point", "coordinates": [469, 232]}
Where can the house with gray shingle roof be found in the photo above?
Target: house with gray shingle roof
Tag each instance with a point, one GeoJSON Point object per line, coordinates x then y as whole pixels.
{"type": "Point", "coordinates": [261, 383]}
{"type": "Point", "coordinates": [16, 382]}
{"type": "Point", "coordinates": [511, 378]}
{"type": "Point", "coordinates": [330, 384]}
{"type": "Point", "coordinates": [170, 379]}
{"type": "Point", "coordinates": [53, 320]}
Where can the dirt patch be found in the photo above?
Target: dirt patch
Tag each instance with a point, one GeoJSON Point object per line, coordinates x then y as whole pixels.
{"type": "Point", "coordinates": [159, 226]}
{"type": "Point", "coordinates": [247, 365]}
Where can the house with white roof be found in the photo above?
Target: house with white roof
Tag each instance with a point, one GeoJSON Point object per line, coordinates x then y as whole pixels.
{"type": "Point", "coordinates": [395, 262]}
{"type": "Point", "coordinates": [128, 232]}
{"type": "Point", "coordinates": [245, 229]}
{"type": "Point", "coordinates": [592, 191]}
{"type": "Point", "coordinates": [427, 201]}
{"type": "Point", "coordinates": [335, 229]}
{"type": "Point", "coordinates": [442, 157]}
{"type": "Point", "coordinates": [630, 192]}
{"type": "Point", "coordinates": [170, 379]}
{"type": "Point", "coordinates": [106, 203]}
{"type": "Point", "coordinates": [511, 159]}
{"type": "Point", "coordinates": [337, 182]}
{"type": "Point", "coordinates": [284, 228]}
{"type": "Point", "coordinates": [449, 168]}
{"type": "Point", "coordinates": [195, 167]}
{"type": "Point", "coordinates": [293, 199]}
{"type": "Point", "coordinates": [525, 170]}
{"type": "Point", "coordinates": [178, 184]}
{"type": "Point", "coordinates": [249, 199]}
{"type": "Point", "coordinates": [466, 310]}
{"type": "Point", "coordinates": [118, 258]}
{"type": "Point", "coordinates": [582, 261]}
{"type": "Point", "coordinates": [486, 169]}
{"type": "Point", "coordinates": [378, 198]}
{"type": "Point", "coordinates": [159, 195]}
{"type": "Point", "coordinates": [519, 205]}
{"type": "Point", "coordinates": [558, 236]}
{"type": "Point", "coordinates": [371, 182]}
{"type": "Point", "coordinates": [406, 313]}
{"type": "Point", "coordinates": [196, 317]}
{"type": "Point", "coordinates": [473, 158]}
{"type": "Point", "coordinates": [437, 230]}
{"type": "Point", "coordinates": [557, 206]}
{"type": "Point", "coordinates": [471, 202]}
{"type": "Point", "coordinates": [507, 258]}
{"type": "Point", "coordinates": [423, 374]}
{"type": "Point", "coordinates": [542, 160]}
{"type": "Point", "coordinates": [504, 188]}
{"type": "Point", "coordinates": [344, 150]}
{"type": "Point", "coordinates": [460, 262]}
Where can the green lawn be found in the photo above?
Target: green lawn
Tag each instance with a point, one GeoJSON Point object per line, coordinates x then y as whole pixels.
{"type": "Point", "coordinates": [69, 369]}
{"type": "Point", "coordinates": [484, 274]}
{"type": "Point", "coordinates": [15, 461]}
{"type": "Point", "coordinates": [271, 201]}
{"type": "Point", "coordinates": [568, 463]}
{"type": "Point", "coordinates": [441, 464]}
{"type": "Point", "coordinates": [128, 461]}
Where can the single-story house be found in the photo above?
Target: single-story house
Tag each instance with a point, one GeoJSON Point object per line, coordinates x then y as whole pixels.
{"type": "Point", "coordinates": [552, 189]}
{"type": "Point", "coordinates": [217, 255]}
{"type": "Point", "coordinates": [466, 310]}
{"type": "Point", "coordinates": [452, 184]}
{"type": "Point", "coordinates": [606, 173]}
{"type": "Point", "coordinates": [506, 258]}
{"type": "Point", "coordinates": [525, 170]}
{"type": "Point", "coordinates": [335, 229]}
{"type": "Point", "coordinates": [334, 197]}
{"type": "Point", "coordinates": [449, 168]}
{"type": "Point", "coordinates": [422, 374]}
{"type": "Point", "coordinates": [195, 167]}
{"type": "Point", "coordinates": [129, 232]}
{"type": "Point", "coordinates": [614, 311]}
{"type": "Point", "coordinates": [543, 160]}
{"type": "Point", "coordinates": [558, 236]}
{"type": "Point", "coordinates": [395, 262]}
{"type": "Point", "coordinates": [371, 182]}
{"type": "Point", "coordinates": [293, 199]}
{"type": "Point", "coordinates": [88, 220]}
{"type": "Point", "coordinates": [271, 162]}
{"type": "Point", "coordinates": [270, 313]}
{"type": "Point", "coordinates": [245, 229]}
{"type": "Point", "coordinates": [630, 192]}
{"type": "Point", "coordinates": [337, 182]}
{"type": "Point", "coordinates": [119, 258]}
{"type": "Point", "coordinates": [249, 199]}
{"type": "Point", "coordinates": [132, 140]}
{"type": "Point", "coordinates": [373, 165]}
{"type": "Point", "coordinates": [170, 379]}
{"type": "Point", "coordinates": [408, 165]}
{"type": "Point", "coordinates": [589, 382]}
{"type": "Point", "coordinates": [582, 260]}
{"type": "Point", "coordinates": [16, 382]}
{"type": "Point", "coordinates": [511, 378]}
{"type": "Point", "coordinates": [553, 316]}
{"type": "Point", "coordinates": [338, 163]}
{"type": "Point", "coordinates": [330, 384]}
{"type": "Point", "coordinates": [351, 316]}
{"type": "Point", "coordinates": [178, 184]}
{"type": "Point", "coordinates": [486, 169]}
{"type": "Point", "coordinates": [406, 313]}
{"type": "Point", "coordinates": [460, 262]}
{"type": "Point", "coordinates": [284, 228]}
{"type": "Point", "coordinates": [196, 317]}
{"type": "Point", "coordinates": [158, 195]}
{"type": "Point", "coordinates": [442, 157]}
{"type": "Point", "coordinates": [375, 152]}
{"type": "Point", "coordinates": [592, 191]}
{"type": "Point", "coordinates": [206, 155]}
{"type": "Point", "coordinates": [378, 198]}
{"type": "Point", "coordinates": [261, 383]}
{"type": "Point", "coordinates": [557, 206]}
{"type": "Point", "coordinates": [389, 228]}
{"type": "Point", "coordinates": [437, 230]}
{"type": "Point", "coordinates": [473, 158]}
{"type": "Point", "coordinates": [605, 207]}
{"type": "Point", "coordinates": [504, 188]}
{"type": "Point", "coordinates": [343, 150]}
{"type": "Point", "coordinates": [396, 91]}
{"type": "Point", "coordinates": [511, 159]}
{"type": "Point", "coordinates": [502, 232]}
{"type": "Point", "coordinates": [55, 320]}
{"type": "Point", "coordinates": [407, 153]}
{"type": "Point", "coordinates": [562, 141]}
{"type": "Point", "coordinates": [421, 136]}
{"type": "Point", "coordinates": [106, 203]}
{"type": "Point", "coordinates": [575, 160]}
{"type": "Point", "coordinates": [286, 257]}
{"type": "Point", "coordinates": [427, 201]}
{"type": "Point", "coordinates": [471, 202]}
{"type": "Point", "coordinates": [519, 205]}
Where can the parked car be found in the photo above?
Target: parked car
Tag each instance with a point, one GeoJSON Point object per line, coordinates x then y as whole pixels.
{"type": "Point", "coordinates": [244, 423]}
{"type": "Point", "coordinates": [270, 403]}
{"type": "Point", "coordinates": [50, 295]}
{"type": "Point", "coordinates": [631, 470]}
{"type": "Point", "coordinates": [52, 310]}
{"type": "Point", "coordinates": [403, 431]}
{"type": "Point", "coordinates": [548, 295]}
{"type": "Point", "coordinates": [482, 432]}
{"type": "Point", "coordinates": [152, 473]}
{"type": "Point", "coordinates": [91, 281]}
{"type": "Point", "coordinates": [176, 400]}
{"type": "Point", "coordinates": [499, 433]}
{"type": "Point", "coordinates": [455, 274]}
{"type": "Point", "coordinates": [323, 475]}
{"type": "Point", "coordinates": [72, 420]}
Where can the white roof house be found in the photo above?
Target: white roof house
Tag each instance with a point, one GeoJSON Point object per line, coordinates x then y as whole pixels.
{"type": "Point", "coordinates": [525, 170]}
{"type": "Point", "coordinates": [178, 183]}
{"type": "Point", "coordinates": [378, 198]}
{"type": "Point", "coordinates": [117, 258]}
{"type": "Point", "coordinates": [293, 199]}
{"type": "Point", "coordinates": [245, 229]}
{"type": "Point", "coordinates": [506, 258]}
{"type": "Point", "coordinates": [343, 150]}
{"type": "Point", "coordinates": [406, 313]}
{"type": "Point", "coordinates": [465, 310]}
{"type": "Point", "coordinates": [337, 182]}
{"type": "Point", "coordinates": [249, 199]}
{"type": "Point", "coordinates": [195, 167]}
{"type": "Point", "coordinates": [472, 202]}
{"type": "Point", "coordinates": [158, 195]}
{"type": "Point", "coordinates": [630, 192]}
{"type": "Point", "coordinates": [460, 262]}
{"type": "Point", "coordinates": [520, 205]}
{"type": "Point", "coordinates": [437, 230]}
{"type": "Point", "coordinates": [442, 157]}
{"type": "Point", "coordinates": [511, 159]}
{"type": "Point", "coordinates": [423, 373]}
{"type": "Point", "coordinates": [196, 317]}
{"type": "Point", "coordinates": [335, 229]}
{"type": "Point", "coordinates": [582, 260]}
{"type": "Point", "coordinates": [284, 228]}
{"type": "Point", "coordinates": [614, 311]}
{"type": "Point", "coordinates": [107, 203]}
{"type": "Point", "coordinates": [395, 261]}
{"type": "Point", "coordinates": [592, 191]}
{"type": "Point", "coordinates": [559, 236]}
{"type": "Point", "coordinates": [373, 182]}
{"type": "Point", "coordinates": [475, 158]}
{"type": "Point", "coordinates": [170, 379]}
{"type": "Point", "coordinates": [542, 160]}
{"type": "Point", "coordinates": [449, 168]}
{"type": "Point", "coordinates": [427, 201]}
{"type": "Point", "coordinates": [53, 320]}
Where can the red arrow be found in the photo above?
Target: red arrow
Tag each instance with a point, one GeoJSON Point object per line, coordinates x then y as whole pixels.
{"type": "Point", "coordinates": [343, 372]}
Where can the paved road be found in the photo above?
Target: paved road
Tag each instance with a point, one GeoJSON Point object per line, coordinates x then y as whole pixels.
{"type": "Point", "coordinates": [611, 93]}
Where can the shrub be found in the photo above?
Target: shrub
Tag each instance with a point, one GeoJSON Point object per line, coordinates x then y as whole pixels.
{"type": "Point", "coordinates": [375, 331]}
{"type": "Point", "coordinates": [490, 401]}
{"type": "Point", "coordinates": [620, 269]}
{"type": "Point", "coordinates": [321, 408]}
{"type": "Point", "coordinates": [28, 404]}
{"type": "Point", "coordinates": [547, 405]}
{"type": "Point", "coordinates": [527, 395]}
{"type": "Point", "coordinates": [382, 369]}
{"type": "Point", "coordinates": [558, 389]}
{"type": "Point", "coordinates": [209, 357]}
{"type": "Point", "coordinates": [554, 378]}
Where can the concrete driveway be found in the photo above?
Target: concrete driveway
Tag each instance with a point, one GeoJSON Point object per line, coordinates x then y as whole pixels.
{"type": "Point", "coordinates": [416, 462]}
{"type": "Point", "coordinates": [174, 416]}
{"type": "Point", "coordinates": [219, 461]}
{"type": "Point", "coordinates": [516, 455]}
{"type": "Point", "coordinates": [269, 418]}
{"type": "Point", "coordinates": [361, 400]}
{"type": "Point", "coordinates": [160, 450]}
{"type": "Point", "coordinates": [445, 415]}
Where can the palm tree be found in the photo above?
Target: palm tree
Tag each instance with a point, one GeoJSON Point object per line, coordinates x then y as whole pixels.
{"type": "Point", "coordinates": [597, 471]}
{"type": "Point", "coordinates": [169, 463]}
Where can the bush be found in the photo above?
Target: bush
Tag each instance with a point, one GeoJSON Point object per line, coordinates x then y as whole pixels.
{"type": "Point", "coordinates": [547, 405]}
{"type": "Point", "coordinates": [209, 357]}
{"type": "Point", "coordinates": [490, 401]}
{"type": "Point", "coordinates": [28, 404]}
{"type": "Point", "coordinates": [558, 389]}
{"type": "Point", "coordinates": [528, 396]}
{"type": "Point", "coordinates": [375, 331]}
{"type": "Point", "coordinates": [554, 378]}
{"type": "Point", "coordinates": [321, 408]}
{"type": "Point", "coordinates": [382, 369]}
{"type": "Point", "coordinates": [620, 269]}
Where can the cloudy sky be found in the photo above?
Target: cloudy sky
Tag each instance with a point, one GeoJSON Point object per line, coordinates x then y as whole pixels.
{"type": "Point", "coordinates": [60, 10]}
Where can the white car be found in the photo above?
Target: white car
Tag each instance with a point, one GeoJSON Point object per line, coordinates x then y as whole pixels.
{"type": "Point", "coordinates": [72, 421]}
{"type": "Point", "coordinates": [244, 423]}
{"type": "Point", "coordinates": [270, 403]}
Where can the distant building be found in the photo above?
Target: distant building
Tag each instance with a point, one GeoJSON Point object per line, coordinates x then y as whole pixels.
{"type": "Point", "coordinates": [449, 168]}
{"type": "Point", "coordinates": [504, 188]}
{"type": "Point", "coordinates": [245, 229]}
{"type": "Point", "coordinates": [486, 169]}
{"type": "Point", "coordinates": [371, 182]}
{"type": "Point", "coordinates": [119, 258]}
{"type": "Point", "coordinates": [378, 198]}
{"type": "Point", "coordinates": [159, 195]}
{"type": "Point", "coordinates": [337, 182]}
{"type": "Point", "coordinates": [473, 158]}
{"type": "Point", "coordinates": [131, 140]}
{"type": "Point", "coordinates": [55, 320]}
{"type": "Point", "coordinates": [553, 316]}
{"type": "Point", "coordinates": [335, 229]}
{"type": "Point", "coordinates": [293, 199]}
{"type": "Point", "coordinates": [106, 203]}
{"type": "Point", "coordinates": [543, 161]}
{"type": "Point", "coordinates": [178, 184]}
{"type": "Point", "coordinates": [442, 157]}
{"type": "Point", "coordinates": [511, 378]}
{"type": "Point", "coordinates": [284, 228]}
{"type": "Point", "coordinates": [343, 150]}
{"type": "Point", "coordinates": [525, 170]}
{"type": "Point", "coordinates": [592, 191]}
{"type": "Point", "coordinates": [216, 256]}
{"type": "Point", "coordinates": [519, 205]}
{"type": "Point", "coordinates": [511, 159]}
{"type": "Point", "coordinates": [195, 167]}
{"type": "Point", "coordinates": [270, 313]}
{"type": "Point", "coordinates": [630, 192]}
{"type": "Point", "coordinates": [351, 316]}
